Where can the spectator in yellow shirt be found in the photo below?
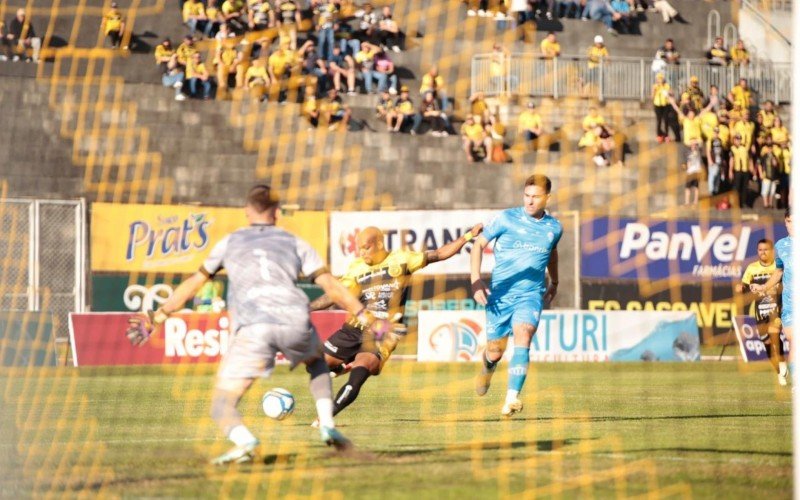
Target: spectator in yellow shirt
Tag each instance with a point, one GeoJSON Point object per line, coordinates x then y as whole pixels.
{"type": "Point", "coordinates": [163, 53]}
{"type": "Point", "coordinates": [530, 124]}
{"type": "Point", "coordinates": [235, 15]}
{"type": "Point", "coordinates": [260, 16]}
{"type": "Point", "coordinates": [692, 123]}
{"type": "Point", "coordinates": [335, 111]}
{"type": "Point", "coordinates": [550, 47]}
{"type": "Point", "coordinates": [693, 95]}
{"type": "Point", "coordinates": [432, 81]}
{"type": "Point", "coordinates": [739, 54]}
{"type": "Point", "coordinates": [114, 26]}
{"type": "Point", "coordinates": [194, 16]}
{"type": "Point", "coordinates": [660, 94]}
{"type": "Point", "coordinates": [740, 95]}
{"type": "Point", "coordinates": [256, 79]}
{"type": "Point", "coordinates": [230, 67]}
{"type": "Point", "coordinates": [197, 74]}
{"type": "Point", "coordinates": [186, 50]}
{"type": "Point", "coordinates": [474, 137]}
{"type": "Point", "coordinates": [597, 54]}
{"type": "Point", "coordinates": [311, 108]}
{"type": "Point", "coordinates": [404, 109]}
{"type": "Point", "coordinates": [479, 108]}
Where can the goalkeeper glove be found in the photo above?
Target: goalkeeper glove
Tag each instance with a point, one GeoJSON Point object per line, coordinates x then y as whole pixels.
{"type": "Point", "coordinates": [141, 326]}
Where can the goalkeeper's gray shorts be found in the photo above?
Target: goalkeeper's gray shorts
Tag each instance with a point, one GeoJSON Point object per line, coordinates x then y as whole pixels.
{"type": "Point", "coordinates": [253, 349]}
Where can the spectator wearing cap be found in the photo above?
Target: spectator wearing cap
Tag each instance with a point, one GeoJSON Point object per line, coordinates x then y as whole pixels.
{"type": "Point", "coordinates": [717, 55]}
{"type": "Point", "coordinates": [404, 108]}
{"type": "Point", "coordinates": [739, 54]}
{"type": "Point", "coordinates": [113, 26]}
{"type": "Point", "coordinates": [432, 81]}
{"type": "Point", "coordinates": [529, 124]}
{"type": "Point", "coordinates": [693, 95]}
{"type": "Point", "coordinates": [19, 37]}
{"type": "Point", "coordinates": [597, 54]}
{"type": "Point", "coordinates": [429, 112]}
{"type": "Point", "coordinates": [550, 47]}
{"type": "Point", "coordinates": [660, 94]}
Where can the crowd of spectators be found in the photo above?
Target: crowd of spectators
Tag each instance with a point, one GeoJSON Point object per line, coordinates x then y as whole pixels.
{"type": "Point", "coordinates": [736, 145]}
{"type": "Point", "coordinates": [269, 47]}
{"type": "Point", "coordinates": [19, 39]}
{"type": "Point", "coordinates": [618, 16]}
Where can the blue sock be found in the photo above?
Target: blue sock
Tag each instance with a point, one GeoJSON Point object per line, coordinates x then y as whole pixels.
{"type": "Point", "coordinates": [518, 368]}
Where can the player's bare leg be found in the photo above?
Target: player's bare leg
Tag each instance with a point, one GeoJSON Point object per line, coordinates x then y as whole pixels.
{"type": "Point", "coordinates": [492, 356]}
{"type": "Point", "coordinates": [227, 394]}
{"type": "Point", "coordinates": [337, 366]}
{"type": "Point", "coordinates": [776, 357]}
{"type": "Point", "coordinates": [518, 367]}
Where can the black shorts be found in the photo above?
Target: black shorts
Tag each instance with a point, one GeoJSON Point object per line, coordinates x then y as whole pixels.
{"type": "Point", "coordinates": [348, 341]}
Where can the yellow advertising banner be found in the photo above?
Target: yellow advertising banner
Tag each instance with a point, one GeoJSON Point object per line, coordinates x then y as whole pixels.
{"type": "Point", "coordinates": [177, 238]}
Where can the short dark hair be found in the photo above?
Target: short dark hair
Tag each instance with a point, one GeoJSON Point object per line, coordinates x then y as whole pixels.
{"type": "Point", "coordinates": [765, 240]}
{"type": "Point", "coordinates": [262, 197]}
{"type": "Point", "coordinates": [539, 180]}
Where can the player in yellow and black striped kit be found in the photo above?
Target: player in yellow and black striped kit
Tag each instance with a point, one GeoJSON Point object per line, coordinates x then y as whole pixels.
{"type": "Point", "coordinates": [379, 279]}
{"type": "Point", "coordinates": [767, 306]}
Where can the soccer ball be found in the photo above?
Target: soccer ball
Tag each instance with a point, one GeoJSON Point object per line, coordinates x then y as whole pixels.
{"type": "Point", "coordinates": [278, 403]}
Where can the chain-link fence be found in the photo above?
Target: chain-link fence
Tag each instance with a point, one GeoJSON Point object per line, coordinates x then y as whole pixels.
{"type": "Point", "coordinates": [44, 256]}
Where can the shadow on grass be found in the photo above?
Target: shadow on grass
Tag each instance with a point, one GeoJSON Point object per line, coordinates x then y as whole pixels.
{"type": "Point", "coordinates": [539, 445]}
{"type": "Point", "coordinates": [709, 450]}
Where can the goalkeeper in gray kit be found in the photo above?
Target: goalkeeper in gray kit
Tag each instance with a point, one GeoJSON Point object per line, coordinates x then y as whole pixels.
{"type": "Point", "coordinates": [269, 313]}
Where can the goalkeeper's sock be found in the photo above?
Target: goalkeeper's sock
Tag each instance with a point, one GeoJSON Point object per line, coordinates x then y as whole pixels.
{"type": "Point", "coordinates": [782, 368]}
{"type": "Point", "coordinates": [518, 368]}
{"type": "Point", "coordinates": [349, 391]}
{"type": "Point", "coordinates": [241, 436]}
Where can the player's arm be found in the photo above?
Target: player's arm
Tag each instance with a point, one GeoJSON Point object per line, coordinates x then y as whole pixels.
{"type": "Point", "coordinates": [455, 246]}
{"type": "Point", "coordinates": [772, 282]}
{"type": "Point", "coordinates": [141, 326]}
{"type": "Point", "coordinates": [320, 303]}
{"type": "Point", "coordinates": [342, 297]}
{"type": "Point", "coordinates": [552, 270]}
{"type": "Point", "coordinates": [480, 292]}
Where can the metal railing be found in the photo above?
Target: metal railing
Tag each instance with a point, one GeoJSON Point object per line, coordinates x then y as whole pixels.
{"type": "Point", "coordinates": [765, 23]}
{"type": "Point", "coordinates": [619, 78]}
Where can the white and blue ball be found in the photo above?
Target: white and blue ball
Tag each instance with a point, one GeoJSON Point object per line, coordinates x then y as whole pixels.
{"type": "Point", "coordinates": [278, 403]}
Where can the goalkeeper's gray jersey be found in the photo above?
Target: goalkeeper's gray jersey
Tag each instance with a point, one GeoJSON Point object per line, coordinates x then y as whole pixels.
{"type": "Point", "coordinates": [264, 264]}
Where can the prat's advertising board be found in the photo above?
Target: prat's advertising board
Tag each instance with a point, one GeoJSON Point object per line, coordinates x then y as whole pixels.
{"type": "Point", "coordinates": [713, 303]}
{"type": "Point", "coordinates": [177, 238]}
{"type": "Point", "coordinates": [567, 335]}
{"type": "Point", "coordinates": [657, 249]}
{"type": "Point", "coordinates": [416, 230]}
{"type": "Point", "coordinates": [98, 339]}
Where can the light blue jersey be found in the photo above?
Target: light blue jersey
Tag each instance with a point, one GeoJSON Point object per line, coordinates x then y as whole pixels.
{"type": "Point", "coordinates": [522, 251]}
{"type": "Point", "coordinates": [783, 260]}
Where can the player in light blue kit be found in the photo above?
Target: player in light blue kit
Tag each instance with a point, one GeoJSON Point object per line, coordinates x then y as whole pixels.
{"type": "Point", "coordinates": [525, 246]}
{"type": "Point", "coordinates": [783, 273]}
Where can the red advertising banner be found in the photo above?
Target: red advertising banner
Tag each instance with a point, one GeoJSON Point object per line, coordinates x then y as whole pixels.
{"type": "Point", "coordinates": [98, 339]}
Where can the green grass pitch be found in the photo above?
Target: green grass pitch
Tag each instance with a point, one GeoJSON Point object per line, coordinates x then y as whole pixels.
{"type": "Point", "coordinates": [588, 430]}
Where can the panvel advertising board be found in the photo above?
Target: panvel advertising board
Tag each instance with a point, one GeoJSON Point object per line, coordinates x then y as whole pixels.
{"type": "Point", "coordinates": [417, 230]}
{"type": "Point", "coordinates": [654, 249]}
{"type": "Point", "coordinates": [98, 339]}
{"type": "Point", "coordinates": [177, 238]}
{"type": "Point", "coordinates": [568, 335]}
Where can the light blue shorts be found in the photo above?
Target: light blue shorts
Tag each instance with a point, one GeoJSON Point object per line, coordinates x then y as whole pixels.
{"type": "Point", "coordinates": [503, 314]}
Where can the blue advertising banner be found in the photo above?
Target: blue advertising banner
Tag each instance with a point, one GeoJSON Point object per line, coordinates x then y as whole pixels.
{"type": "Point", "coordinates": [653, 249]}
{"type": "Point", "coordinates": [753, 349]}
